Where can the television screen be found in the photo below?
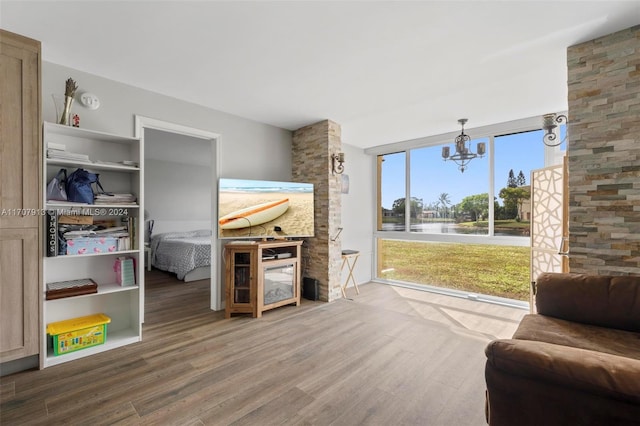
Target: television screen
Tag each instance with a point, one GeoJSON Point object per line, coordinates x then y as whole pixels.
{"type": "Point", "coordinates": [261, 208]}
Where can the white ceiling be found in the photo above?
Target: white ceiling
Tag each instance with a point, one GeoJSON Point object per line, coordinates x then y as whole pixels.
{"type": "Point", "coordinates": [387, 71]}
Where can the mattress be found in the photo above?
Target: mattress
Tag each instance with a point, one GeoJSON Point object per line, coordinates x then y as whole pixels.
{"type": "Point", "coordinates": [181, 252]}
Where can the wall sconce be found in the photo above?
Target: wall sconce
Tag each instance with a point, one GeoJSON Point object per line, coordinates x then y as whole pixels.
{"type": "Point", "coordinates": [549, 124]}
{"type": "Point", "coordinates": [337, 163]}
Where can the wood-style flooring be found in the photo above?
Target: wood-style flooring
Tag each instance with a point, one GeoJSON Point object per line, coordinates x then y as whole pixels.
{"type": "Point", "coordinates": [389, 356]}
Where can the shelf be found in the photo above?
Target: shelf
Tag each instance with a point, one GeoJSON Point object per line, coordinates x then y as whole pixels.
{"type": "Point", "coordinates": [82, 256]}
{"type": "Point", "coordinates": [77, 132]}
{"type": "Point", "coordinates": [105, 154]}
{"type": "Point", "coordinates": [114, 340]}
{"type": "Point", "coordinates": [102, 290]}
{"type": "Point", "coordinates": [278, 262]}
{"type": "Point", "coordinates": [91, 165]}
{"type": "Point", "coordinates": [55, 205]}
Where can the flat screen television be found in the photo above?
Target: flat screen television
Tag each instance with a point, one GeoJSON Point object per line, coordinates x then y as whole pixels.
{"type": "Point", "coordinates": [264, 209]}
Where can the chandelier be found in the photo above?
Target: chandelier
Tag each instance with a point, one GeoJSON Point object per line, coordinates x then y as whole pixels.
{"type": "Point", "coordinates": [549, 124]}
{"type": "Point", "coordinates": [463, 154]}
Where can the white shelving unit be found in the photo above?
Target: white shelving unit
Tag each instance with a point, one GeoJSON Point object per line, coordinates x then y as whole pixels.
{"type": "Point", "coordinates": [124, 305]}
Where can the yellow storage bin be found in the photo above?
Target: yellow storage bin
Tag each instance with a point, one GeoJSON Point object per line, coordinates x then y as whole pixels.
{"type": "Point", "coordinates": [78, 333]}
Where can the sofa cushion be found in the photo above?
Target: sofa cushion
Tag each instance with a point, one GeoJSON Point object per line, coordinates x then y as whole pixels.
{"type": "Point", "coordinates": [587, 371]}
{"type": "Point", "coordinates": [590, 337]}
{"type": "Point", "coordinates": [606, 301]}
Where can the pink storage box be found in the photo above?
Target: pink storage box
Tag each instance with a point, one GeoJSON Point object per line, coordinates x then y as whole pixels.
{"type": "Point", "coordinates": [86, 245]}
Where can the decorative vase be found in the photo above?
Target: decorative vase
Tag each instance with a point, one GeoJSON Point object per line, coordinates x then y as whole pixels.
{"type": "Point", "coordinates": [63, 108]}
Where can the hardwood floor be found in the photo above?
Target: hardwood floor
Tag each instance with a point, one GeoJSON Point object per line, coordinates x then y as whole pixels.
{"type": "Point", "coordinates": [389, 356]}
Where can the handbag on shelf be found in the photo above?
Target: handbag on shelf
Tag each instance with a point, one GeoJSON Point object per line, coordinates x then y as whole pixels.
{"type": "Point", "coordinates": [56, 190]}
{"type": "Point", "coordinates": [79, 189]}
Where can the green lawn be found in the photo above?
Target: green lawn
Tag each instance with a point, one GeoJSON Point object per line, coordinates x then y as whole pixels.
{"type": "Point", "coordinates": [478, 268]}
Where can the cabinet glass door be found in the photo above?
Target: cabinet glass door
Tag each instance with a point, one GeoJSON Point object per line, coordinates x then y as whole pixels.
{"type": "Point", "coordinates": [278, 283]}
{"type": "Point", "coordinates": [242, 277]}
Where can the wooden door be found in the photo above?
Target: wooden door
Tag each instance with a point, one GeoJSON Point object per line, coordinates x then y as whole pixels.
{"type": "Point", "coordinates": [19, 312]}
{"type": "Point", "coordinates": [20, 196]}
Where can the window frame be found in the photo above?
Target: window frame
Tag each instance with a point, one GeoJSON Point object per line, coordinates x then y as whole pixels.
{"type": "Point", "coordinates": [551, 156]}
{"type": "Point", "coordinates": [489, 132]}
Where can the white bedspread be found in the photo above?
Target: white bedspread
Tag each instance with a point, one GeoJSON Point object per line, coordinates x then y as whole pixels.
{"type": "Point", "coordinates": [181, 252]}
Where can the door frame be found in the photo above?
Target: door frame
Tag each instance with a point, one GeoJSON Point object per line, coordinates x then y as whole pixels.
{"type": "Point", "coordinates": [142, 123]}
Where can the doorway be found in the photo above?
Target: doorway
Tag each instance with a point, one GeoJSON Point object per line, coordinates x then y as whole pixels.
{"type": "Point", "coordinates": [180, 171]}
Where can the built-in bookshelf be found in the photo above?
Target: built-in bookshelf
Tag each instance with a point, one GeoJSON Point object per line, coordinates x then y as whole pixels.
{"type": "Point", "coordinates": [85, 240]}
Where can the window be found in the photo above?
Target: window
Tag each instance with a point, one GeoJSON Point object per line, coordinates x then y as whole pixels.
{"type": "Point", "coordinates": [496, 271]}
{"type": "Point", "coordinates": [391, 192]}
{"type": "Point", "coordinates": [461, 228]}
{"type": "Point", "coordinates": [448, 201]}
{"type": "Point", "coordinates": [516, 155]}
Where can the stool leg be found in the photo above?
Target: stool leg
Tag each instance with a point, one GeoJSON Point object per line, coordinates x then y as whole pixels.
{"type": "Point", "coordinates": [343, 288]}
{"type": "Point", "coordinates": [350, 277]}
{"type": "Point", "coordinates": [355, 259]}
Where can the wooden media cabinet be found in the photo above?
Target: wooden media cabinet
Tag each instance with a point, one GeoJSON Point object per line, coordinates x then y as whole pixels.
{"type": "Point", "coordinates": [261, 275]}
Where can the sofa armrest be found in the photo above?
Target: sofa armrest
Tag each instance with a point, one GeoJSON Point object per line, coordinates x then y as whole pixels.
{"type": "Point", "coordinates": [593, 372]}
{"type": "Point", "coordinates": [605, 301]}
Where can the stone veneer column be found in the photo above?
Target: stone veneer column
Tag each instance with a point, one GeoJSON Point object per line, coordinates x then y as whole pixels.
{"type": "Point", "coordinates": [311, 159]}
{"type": "Point", "coordinates": [604, 154]}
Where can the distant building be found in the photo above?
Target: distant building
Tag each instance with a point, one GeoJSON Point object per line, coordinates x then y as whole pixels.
{"type": "Point", "coordinates": [429, 214]}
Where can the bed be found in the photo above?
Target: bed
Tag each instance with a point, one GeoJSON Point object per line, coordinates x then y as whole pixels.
{"type": "Point", "coordinates": [187, 254]}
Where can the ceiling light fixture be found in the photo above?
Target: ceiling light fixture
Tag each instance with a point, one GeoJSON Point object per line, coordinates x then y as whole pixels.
{"type": "Point", "coordinates": [463, 154]}
{"type": "Point", "coordinates": [549, 124]}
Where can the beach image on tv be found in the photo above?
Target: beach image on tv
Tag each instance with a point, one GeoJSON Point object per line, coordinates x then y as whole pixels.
{"type": "Point", "coordinates": [259, 208]}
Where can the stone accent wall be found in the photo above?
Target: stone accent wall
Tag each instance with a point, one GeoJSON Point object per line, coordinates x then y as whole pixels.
{"type": "Point", "coordinates": [311, 158]}
{"type": "Point", "coordinates": [604, 154]}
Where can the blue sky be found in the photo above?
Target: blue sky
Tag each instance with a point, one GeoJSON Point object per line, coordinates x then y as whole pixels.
{"type": "Point", "coordinates": [431, 176]}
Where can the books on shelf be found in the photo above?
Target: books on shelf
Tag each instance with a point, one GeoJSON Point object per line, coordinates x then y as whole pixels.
{"type": "Point", "coordinates": [132, 226]}
{"type": "Point", "coordinates": [56, 146]}
{"type": "Point", "coordinates": [52, 234]}
{"type": "Point", "coordinates": [126, 163]}
{"type": "Point", "coordinates": [66, 203]}
{"type": "Point", "coordinates": [76, 219]}
{"type": "Point", "coordinates": [66, 155]}
{"type": "Point", "coordinates": [109, 198]}
{"type": "Point", "coordinates": [60, 289]}
{"type": "Point", "coordinates": [58, 151]}
{"type": "Point", "coordinates": [111, 231]}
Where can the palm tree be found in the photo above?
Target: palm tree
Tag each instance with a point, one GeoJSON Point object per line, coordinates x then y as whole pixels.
{"type": "Point", "coordinates": [444, 201]}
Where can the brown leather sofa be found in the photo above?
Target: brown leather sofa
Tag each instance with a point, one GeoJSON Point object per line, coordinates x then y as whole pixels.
{"type": "Point", "coordinates": [575, 362]}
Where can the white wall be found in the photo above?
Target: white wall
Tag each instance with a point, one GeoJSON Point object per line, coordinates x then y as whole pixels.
{"type": "Point", "coordinates": [248, 149]}
{"type": "Point", "coordinates": [177, 192]}
{"type": "Point", "coordinates": [358, 210]}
